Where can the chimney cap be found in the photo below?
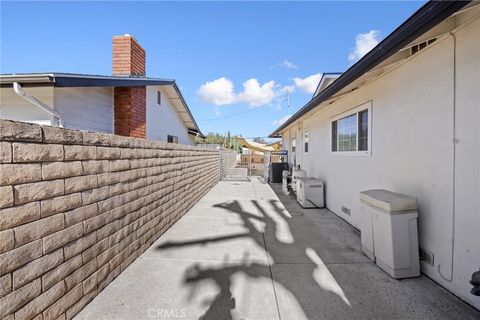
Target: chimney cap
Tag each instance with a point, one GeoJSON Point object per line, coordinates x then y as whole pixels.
{"type": "Point", "coordinates": [127, 35]}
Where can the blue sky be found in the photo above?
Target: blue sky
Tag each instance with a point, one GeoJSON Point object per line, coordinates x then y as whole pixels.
{"type": "Point", "coordinates": [234, 61]}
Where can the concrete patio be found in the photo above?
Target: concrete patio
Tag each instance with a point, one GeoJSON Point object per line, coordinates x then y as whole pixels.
{"type": "Point", "coordinates": [246, 251]}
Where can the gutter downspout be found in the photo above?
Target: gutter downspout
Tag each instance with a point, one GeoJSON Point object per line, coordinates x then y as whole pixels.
{"type": "Point", "coordinates": [20, 92]}
{"type": "Point", "coordinates": [454, 141]}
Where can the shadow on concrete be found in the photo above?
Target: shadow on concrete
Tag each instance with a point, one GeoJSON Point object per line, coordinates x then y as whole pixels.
{"type": "Point", "coordinates": [313, 269]}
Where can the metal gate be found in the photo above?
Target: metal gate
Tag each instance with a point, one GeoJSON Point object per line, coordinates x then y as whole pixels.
{"type": "Point", "coordinates": [242, 171]}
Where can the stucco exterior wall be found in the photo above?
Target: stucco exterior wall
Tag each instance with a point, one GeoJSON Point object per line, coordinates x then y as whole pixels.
{"type": "Point", "coordinates": [163, 120]}
{"type": "Point", "coordinates": [412, 152]}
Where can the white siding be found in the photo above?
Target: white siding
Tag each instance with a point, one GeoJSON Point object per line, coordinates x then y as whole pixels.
{"type": "Point", "coordinates": [14, 107]}
{"type": "Point", "coordinates": [163, 120]}
{"type": "Point", "coordinates": [86, 108]}
{"type": "Point", "coordinates": [81, 108]}
{"type": "Point", "coordinates": [412, 152]}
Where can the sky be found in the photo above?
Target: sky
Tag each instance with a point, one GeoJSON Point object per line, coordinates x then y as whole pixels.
{"type": "Point", "coordinates": [236, 63]}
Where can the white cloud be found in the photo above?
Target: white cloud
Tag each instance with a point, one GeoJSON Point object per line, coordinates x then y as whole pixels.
{"type": "Point", "coordinates": [218, 92]}
{"type": "Point", "coordinates": [281, 120]}
{"type": "Point", "coordinates": [221, 92]}
{"type": "Point", "coordinates": [308, 84]}
{"type": "Point", "coordinates": [287, 64]}
{"type": "Point", "coordinates": [364, 42]}
{"type": "Point", "coordinates": [217, 112]}
{"type": "Point", "coordinates": [256, 94]}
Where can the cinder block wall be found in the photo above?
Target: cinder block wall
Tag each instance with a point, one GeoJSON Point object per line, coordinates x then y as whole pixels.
{"type": "Point", "coordinates": [78, 207]}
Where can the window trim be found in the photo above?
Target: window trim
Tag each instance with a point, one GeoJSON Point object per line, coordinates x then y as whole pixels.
{"type": "Point", "coordinates": [355, 110]}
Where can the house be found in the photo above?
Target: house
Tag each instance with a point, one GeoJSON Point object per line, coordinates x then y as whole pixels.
{"type": "Point", "coordinates": [326, 80]}
{"type": "Point", "coordinates": [127, 103]}
{"type": "Point", "coordinates": [406, 117]}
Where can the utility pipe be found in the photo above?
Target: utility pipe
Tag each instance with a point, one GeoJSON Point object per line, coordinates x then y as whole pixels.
{"type": "Point", "coordinates": [454, 141]}
{"type": "Point", "coordinates": [19, 91]}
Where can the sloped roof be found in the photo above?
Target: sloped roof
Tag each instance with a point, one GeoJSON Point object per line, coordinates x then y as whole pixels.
{"type": "Point", "coordinates": [63, 80]}
{"type": "Point", "coordinates": [424, 19]}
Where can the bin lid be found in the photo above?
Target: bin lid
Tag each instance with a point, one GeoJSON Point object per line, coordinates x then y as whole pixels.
{"type": "Point", "coordinates": [305, 179]}
{"type": "Point", "coordinates": [388, 200]}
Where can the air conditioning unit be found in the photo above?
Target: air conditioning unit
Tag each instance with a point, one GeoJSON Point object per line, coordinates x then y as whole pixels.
{"type": "Point", "coordinates": [310, 192]}
{"type": "Point", "coordinates": [297, 173]}
{"type": "Point", "coordinates": [285, 178]}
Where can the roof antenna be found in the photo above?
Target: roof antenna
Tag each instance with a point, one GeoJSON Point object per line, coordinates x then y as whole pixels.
{"type": "Point", "coordinates": [288, 102]}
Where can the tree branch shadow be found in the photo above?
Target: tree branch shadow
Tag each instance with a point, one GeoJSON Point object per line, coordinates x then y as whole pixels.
{"type": "Point", "coordinates": [224, 303]}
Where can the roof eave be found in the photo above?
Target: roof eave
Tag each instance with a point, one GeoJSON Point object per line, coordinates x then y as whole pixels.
{"type": "Point", "coordinates": [429, 15]}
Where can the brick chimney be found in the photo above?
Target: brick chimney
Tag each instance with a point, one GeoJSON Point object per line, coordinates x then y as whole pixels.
{"type": "Point", "coordinates": [128, 59]}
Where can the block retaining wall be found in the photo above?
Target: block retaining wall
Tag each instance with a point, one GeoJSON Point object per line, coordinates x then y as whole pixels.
{"type": "Point", "coordinates": [78, 207]}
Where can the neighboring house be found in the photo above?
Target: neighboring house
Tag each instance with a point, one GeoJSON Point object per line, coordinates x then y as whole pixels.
{"type": "Point", "coordinates": [325, 81]}
{"type": "Point", "coordinates": [127, 103]}
{"type": "Point", "coordinates": [406, 117]}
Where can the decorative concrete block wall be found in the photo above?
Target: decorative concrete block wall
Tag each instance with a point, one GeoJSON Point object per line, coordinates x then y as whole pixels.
{"type": "Point", "coordinates": [77, 207]}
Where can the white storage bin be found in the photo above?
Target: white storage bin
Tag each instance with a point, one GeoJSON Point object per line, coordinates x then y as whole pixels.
{"type": "Point", "coordinates": [389, 232]}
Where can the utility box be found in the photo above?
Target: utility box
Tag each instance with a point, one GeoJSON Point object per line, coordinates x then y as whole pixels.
{"type": "Point", "coordinates": [285, 181]}
{"type": "Point", "coordinates": [297, 173]}
{"type": "Point", "coordinates": [389, 232]}
{"type": "Point", "coordinates": [310, 192]}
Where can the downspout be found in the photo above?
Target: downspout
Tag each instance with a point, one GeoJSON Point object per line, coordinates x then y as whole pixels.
{"type": "Point", "coordinates": [454, 141]}
{"type": "Point", "coordinates": [19, 91]}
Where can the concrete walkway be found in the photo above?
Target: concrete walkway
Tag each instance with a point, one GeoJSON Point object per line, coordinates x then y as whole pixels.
{"type": "Point", "coordinates": [246, 251]}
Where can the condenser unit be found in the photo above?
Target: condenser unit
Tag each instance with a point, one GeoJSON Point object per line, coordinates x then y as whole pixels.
{"type": "Point", "coordinates": [297, 173]}
{"type": "Point", "coordinates": [310, 192]}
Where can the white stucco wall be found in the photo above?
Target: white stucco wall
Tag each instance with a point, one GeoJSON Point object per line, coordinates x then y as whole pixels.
{"type": "Point", "coordinates": [13, 107]}
{"type": "Point", "coordinates": [413, 153]}
{"type": "Point", "coordinates": [86, 108]}
{"type": "Point", "coordinates": [163, 120]}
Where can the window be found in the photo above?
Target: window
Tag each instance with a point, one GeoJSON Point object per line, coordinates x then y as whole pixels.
{"type": "Point", "coordinates": [306, 139]}
{"type": "Point", "coordinates": [172, 139]}
{"type": "Point", "coordinates": [350, 132]}
{"type": "Point", "coordinates": [159, 98]}
{"type": "Point", "coordinates": [294, 144]}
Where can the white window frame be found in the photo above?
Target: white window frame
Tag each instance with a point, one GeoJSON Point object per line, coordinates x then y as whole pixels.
{"type": "Point", "coordinates": [355, 110]}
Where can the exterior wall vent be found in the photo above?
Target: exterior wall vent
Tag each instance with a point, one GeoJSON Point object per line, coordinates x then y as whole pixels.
{"type": "Point", "coordinates": [422, 45]}
{"type": "Point", "coordinates": [346, 210]}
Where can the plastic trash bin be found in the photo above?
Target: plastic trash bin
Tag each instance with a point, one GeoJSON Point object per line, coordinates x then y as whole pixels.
{"type": "Point", "coordinates": [389, 232]}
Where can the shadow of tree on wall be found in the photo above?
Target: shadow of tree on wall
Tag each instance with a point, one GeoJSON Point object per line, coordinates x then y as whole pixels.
{"type": "Point", "coordinates": [313, 270]}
